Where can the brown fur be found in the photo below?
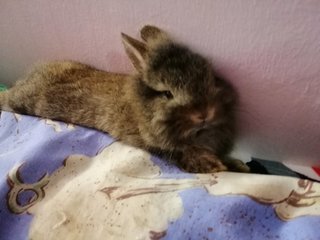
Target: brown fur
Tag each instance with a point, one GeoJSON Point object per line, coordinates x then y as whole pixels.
{"type": "Point", "coordinates": [156, 109]}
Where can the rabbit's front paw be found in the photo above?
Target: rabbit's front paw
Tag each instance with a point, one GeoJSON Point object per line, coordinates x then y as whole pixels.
{"type": "Point", "coordinates": [200, 160]}
{"type": "Point", "coordinates": [236, 165]}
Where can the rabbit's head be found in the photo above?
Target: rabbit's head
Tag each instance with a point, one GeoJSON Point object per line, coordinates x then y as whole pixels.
{"type": "Point", "coordinates": [177, 90]}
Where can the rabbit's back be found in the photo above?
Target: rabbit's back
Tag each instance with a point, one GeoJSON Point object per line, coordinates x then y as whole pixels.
{"type": "Point", "coordinates": [67, 91]}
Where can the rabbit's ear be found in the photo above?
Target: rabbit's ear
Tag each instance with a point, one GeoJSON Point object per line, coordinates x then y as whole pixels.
{"type": "Point", "coordinates": [136, 51]}
{"type": "Point", "coordinates": [152, 34]}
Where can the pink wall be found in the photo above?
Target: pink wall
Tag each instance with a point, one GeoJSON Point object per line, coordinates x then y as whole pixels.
{"type": "Point", "coordinates": [270, 50]}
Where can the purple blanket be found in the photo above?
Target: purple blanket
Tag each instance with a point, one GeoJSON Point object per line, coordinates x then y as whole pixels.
{"type": "Point", "coordinates": [59, 181]}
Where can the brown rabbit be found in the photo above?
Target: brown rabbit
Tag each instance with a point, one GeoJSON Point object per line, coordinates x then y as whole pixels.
{"type": "Point", "coordinates": [173, 104]}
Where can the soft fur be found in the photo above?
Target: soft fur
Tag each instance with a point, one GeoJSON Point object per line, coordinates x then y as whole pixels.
{"type": "Point", "coordinates": [173, 104]}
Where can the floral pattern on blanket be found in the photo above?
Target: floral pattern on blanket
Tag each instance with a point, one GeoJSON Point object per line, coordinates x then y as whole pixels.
{"type": "Point", "coordinates": [60, 181]}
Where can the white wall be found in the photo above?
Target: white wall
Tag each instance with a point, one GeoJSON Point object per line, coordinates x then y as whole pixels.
{"type": "Point", "coordinates": [270, 50]}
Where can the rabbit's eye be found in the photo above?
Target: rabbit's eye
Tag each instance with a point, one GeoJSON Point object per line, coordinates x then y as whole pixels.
{"type": "Point", "coordinates": [167, 94]}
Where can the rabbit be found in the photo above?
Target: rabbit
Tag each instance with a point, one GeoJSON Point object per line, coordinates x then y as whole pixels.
{"type": "Point", "coordinates": [173, 105]}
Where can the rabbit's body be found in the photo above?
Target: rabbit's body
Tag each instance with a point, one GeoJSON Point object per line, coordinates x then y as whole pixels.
{"type": "Point", "coordinates": [173, 104]}
{"type": "Point", "coordinates": [77, 93]}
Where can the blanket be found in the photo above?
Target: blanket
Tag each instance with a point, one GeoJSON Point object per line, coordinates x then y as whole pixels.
{"type": "Point", "coordinates": [60, 181]}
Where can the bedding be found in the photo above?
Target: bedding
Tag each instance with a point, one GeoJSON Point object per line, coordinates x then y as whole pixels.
{"type": "Point", "coordinates": [60, 181]}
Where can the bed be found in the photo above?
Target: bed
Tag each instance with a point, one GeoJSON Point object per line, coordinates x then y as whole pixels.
{"type": "Point", "coordinates": [61, 181]}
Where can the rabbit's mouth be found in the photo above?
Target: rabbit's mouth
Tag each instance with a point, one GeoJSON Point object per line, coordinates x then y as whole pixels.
{"type": "Point", "coordinates": [199, 129]}
{"type": "Point", "coordinates": [199, 132]}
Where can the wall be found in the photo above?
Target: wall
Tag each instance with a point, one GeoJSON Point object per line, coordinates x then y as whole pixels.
{"type": "Point", "coordinates": [270, 50]}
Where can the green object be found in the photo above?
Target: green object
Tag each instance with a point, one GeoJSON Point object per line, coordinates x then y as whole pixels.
{"type": "Point", "coordinates": [2, 87]}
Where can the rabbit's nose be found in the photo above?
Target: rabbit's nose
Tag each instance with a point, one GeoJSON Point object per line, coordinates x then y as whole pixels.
{"type": "Point", "coordinates": [203, 116]}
